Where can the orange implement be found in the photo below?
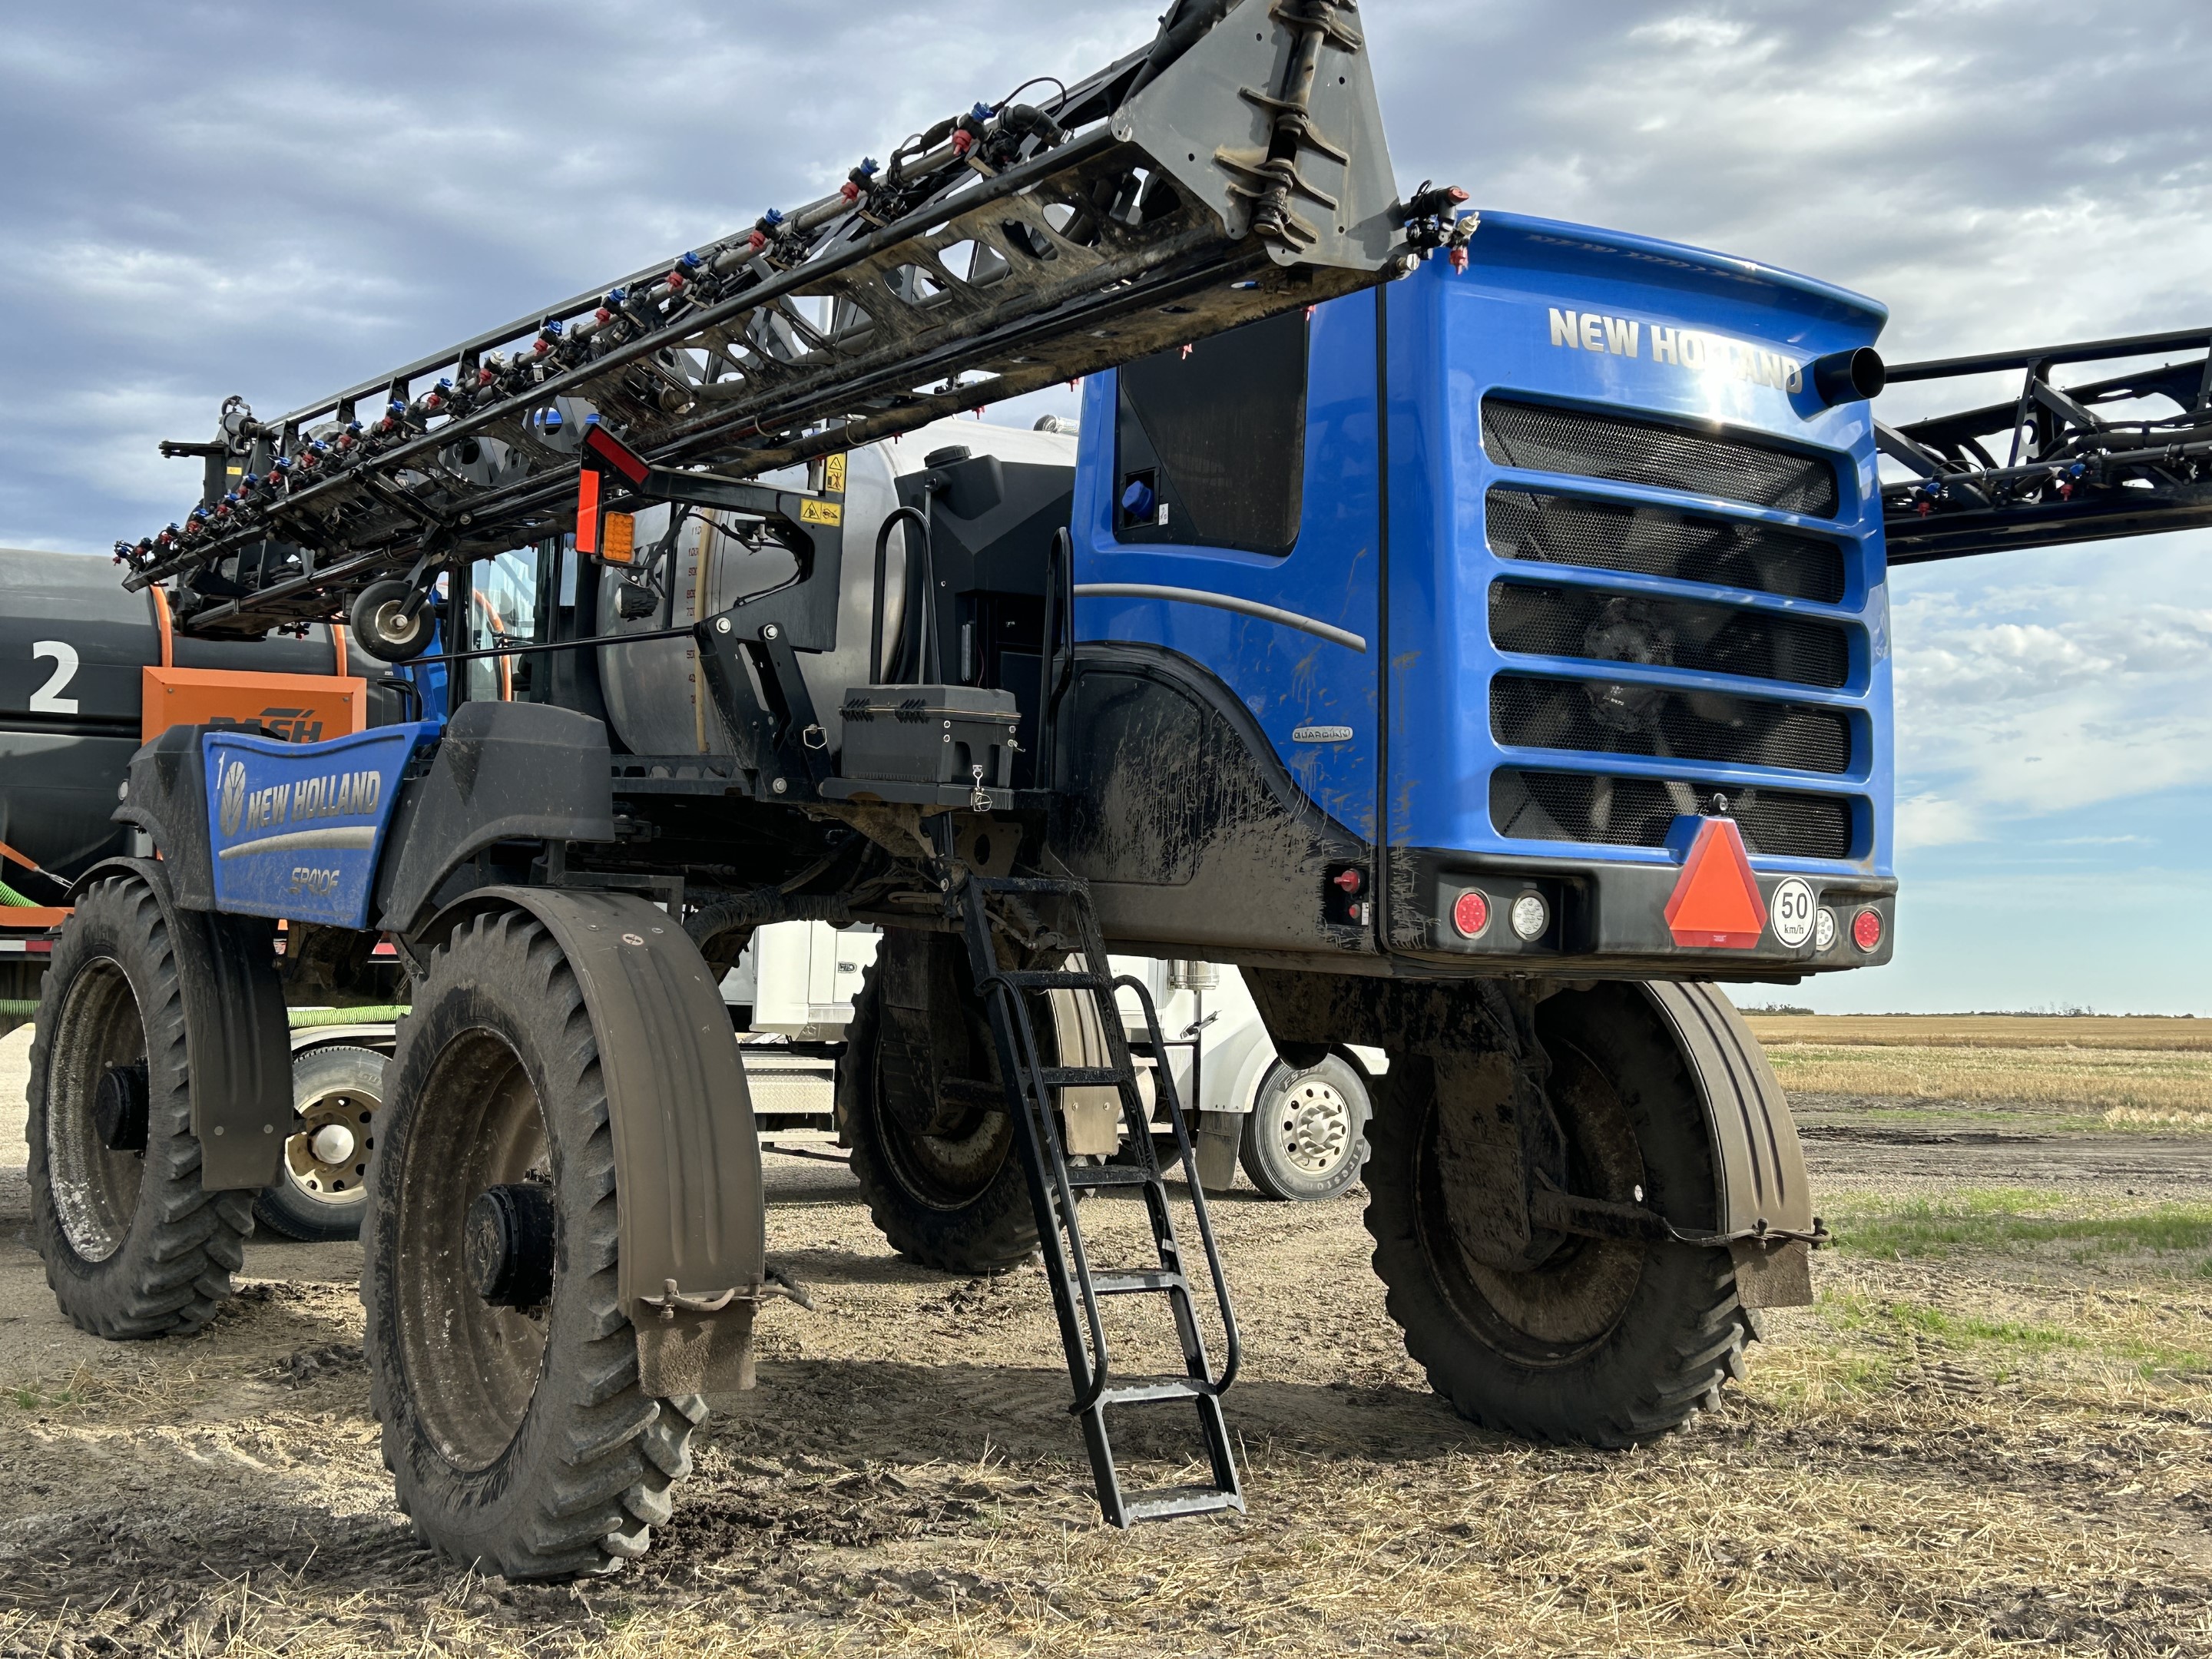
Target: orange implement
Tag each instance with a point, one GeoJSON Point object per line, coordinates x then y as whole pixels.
{"type": "Point", "coordinates": [297, 708]}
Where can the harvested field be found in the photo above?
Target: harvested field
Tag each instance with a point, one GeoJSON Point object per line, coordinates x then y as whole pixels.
{"type": "Point", "coordinates": [1995, 1429]}
{"type": "Point", "coordinates": [2081, 1071]}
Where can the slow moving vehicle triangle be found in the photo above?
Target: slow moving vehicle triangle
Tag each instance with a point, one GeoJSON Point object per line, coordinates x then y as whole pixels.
{"type": "Point", "coordinates": [1716, 903]}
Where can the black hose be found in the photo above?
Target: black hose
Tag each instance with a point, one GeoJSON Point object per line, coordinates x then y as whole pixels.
{"type": "Point", "coordinates": [1179, 31]}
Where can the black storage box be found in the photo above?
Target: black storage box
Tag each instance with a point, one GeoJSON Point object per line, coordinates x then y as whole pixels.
{"type": "Point", "coordinates": [930, 734]}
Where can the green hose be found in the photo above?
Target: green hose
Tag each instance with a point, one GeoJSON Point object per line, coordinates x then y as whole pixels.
{"type": "Point", "coordinates": [12, 900]}
{"type": "Point", "coordinates": [11, 1009]}
{"type": "Point", "coordinates": [303, 1017]}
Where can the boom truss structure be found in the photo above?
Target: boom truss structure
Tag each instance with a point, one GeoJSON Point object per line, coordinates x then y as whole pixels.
{"type": "Point", "coordinates": [2073, 470]}
{"type": "Point", "coordinates": [1233, 169]}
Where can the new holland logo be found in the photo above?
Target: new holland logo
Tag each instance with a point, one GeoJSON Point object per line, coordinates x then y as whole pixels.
{"type": "Point", "coordinates": [233, 798]}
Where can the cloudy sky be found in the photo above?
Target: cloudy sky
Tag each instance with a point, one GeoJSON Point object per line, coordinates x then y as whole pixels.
{"type": "Point", "coordinates": [274, 199]}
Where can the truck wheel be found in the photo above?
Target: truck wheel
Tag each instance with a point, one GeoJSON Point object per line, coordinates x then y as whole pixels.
{"type": "Point", "coordinates": [1605, 1343]}
{"type": "Point", "coordinates": [501, 1364]}
{"type": "Point", "coordinates": [133, 1246]}
{"type": "Point", "coordinates": [319, 1193]}
{"type": "Point", "coordinates": [1306, 1136]}
{"type": "Point", "coordinates": [948, 1193]}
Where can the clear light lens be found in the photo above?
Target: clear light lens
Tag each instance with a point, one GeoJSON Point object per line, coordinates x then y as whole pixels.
{"type": "Point", "coordinates": [1531, 916]}
{"type": "Point", "coordinates": [1471, 913]}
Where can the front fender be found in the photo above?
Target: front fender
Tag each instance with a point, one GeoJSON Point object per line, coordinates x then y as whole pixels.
{"type": "Point", "coordinates": [689, 1203]}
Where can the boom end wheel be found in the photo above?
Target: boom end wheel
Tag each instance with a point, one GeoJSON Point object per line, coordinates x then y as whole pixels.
{"type": "Point", "coordinates": [389, 623]}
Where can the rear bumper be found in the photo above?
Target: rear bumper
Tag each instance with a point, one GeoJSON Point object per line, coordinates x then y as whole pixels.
{"type": "Point", "coordinates": [1608, 920]}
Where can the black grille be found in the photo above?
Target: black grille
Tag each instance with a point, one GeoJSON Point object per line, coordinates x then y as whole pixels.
{"type": "Point", "coordinates": [1656, 541]}
{"type": "Point", "coordinates": [1619, 719]}
{"type": "Point", "coordinates": [1713, 639]}
{"type": "Point", "coordinates": [1662, 457]}
{"type": "Point", "coordinates": [1639, 812]}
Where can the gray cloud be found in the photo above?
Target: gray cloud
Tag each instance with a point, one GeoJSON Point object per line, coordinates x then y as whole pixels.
{"type": "Point", "coordinates": [274, 199]}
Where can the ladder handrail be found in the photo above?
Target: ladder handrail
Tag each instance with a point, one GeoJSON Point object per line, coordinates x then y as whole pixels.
{"type": "Point", "coordinates": [1233, 1355]}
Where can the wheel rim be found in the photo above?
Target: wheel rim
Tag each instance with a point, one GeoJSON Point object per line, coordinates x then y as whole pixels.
{"type": "Point", "coordinates": [945, 1172]}
{"type": "Point", "coordinates": [393, 629]}
{"type": "Point", "coordinates": [1554, 1313]}
{"type": "Point", "coordinates": [1312, 1125]}
{"type": "Point", "coordinates": [96, 1191]}
{"type": "Point", "coordinates": [311, 1169]}
{"type": "Point", "coordinates": [472, 1367]}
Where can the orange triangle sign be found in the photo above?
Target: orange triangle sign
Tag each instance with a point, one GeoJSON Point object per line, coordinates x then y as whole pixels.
{"type": "Point", "coordinates": [1716, 905]}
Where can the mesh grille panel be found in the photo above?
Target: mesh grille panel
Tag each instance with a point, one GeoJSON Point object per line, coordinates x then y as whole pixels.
{"type": "Point", "coordinates": [1661, 457]}
{"type": "Point", "coordinates": [1642, 719]}
{"type": "Point", "coordinates": [1573, 621]}
{"type": "Point", "coordinates": [1638, 812]}
{"type": "Point", "coordinates": [1656, 541]}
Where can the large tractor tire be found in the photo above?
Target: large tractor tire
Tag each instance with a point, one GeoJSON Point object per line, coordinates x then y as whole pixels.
{"type": "Point", "coordinates": [933, 1151]}
{"type": "Point", "coordinates": [502, 1364]}
{"type": "Point", "coordinates": [321, 1189]}
{"type": "Point", "coordinates": [1603, 1343]}
{"type": "Point", "coordinates": [133, 1246]}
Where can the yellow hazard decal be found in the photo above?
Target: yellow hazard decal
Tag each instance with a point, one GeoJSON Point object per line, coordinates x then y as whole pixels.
{"type": "Point", "coordinates": [821, 513]}
{"type": "Point", "coordinates": [833, 473]}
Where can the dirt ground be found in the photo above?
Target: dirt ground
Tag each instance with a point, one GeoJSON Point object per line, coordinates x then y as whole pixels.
{"type": "Point", "coordinates": [1995, 1429]}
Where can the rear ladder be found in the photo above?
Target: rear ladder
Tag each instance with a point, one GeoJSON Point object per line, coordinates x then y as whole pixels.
{"type": "Point", "coordinates": [1077, 1287]}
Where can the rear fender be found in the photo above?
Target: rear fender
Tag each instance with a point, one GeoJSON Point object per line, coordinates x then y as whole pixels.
{"type": "Point", "coordinates": [1766, 1193]}
{"type": "Point", "coordinates": [690, 1206]}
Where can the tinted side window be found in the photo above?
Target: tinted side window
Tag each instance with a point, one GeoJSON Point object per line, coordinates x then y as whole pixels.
{"type": "Point", "coordinates": [1212, 445]}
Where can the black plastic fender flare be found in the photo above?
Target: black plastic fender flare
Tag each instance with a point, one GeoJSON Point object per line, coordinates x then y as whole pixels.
{"type": "Point", "coordinates": [238, 1047]}
{"type": "Point", "coordinates": [689, 1201]}
{"type": "Point", "coordinates": [1765, 1207]}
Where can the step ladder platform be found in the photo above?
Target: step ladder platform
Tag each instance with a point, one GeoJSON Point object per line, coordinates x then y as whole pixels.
{"type": "Point", "coordinates": [1167, 1502]}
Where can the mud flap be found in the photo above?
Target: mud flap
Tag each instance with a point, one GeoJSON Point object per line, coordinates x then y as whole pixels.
{"type": "Point", "coordinates": [1766, 1193]}
{"type": "Point", "coordinates": [689, 1207]}
{"type": "Point", "coordinates": [237, 1049]}
{"type": "Point", "coordinates": [1778, 1276]}
{"type": "Point", "coordinates": [1214, 1148]}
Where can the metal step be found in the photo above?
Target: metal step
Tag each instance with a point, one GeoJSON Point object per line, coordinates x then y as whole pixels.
{"type": "Point", "coordinates": [1165, 1388]}
{"type": "Point", "coordinates": [1080, 1077]}
{"type": "Point", "coordinates": [1166, 1503]}
{"type": "Point", "coordinates": [1126, 1284]}
{"type": "Point", "coordinates": [1057, 980]}
{"type": "Point", "coordinates": [1106, 1175]}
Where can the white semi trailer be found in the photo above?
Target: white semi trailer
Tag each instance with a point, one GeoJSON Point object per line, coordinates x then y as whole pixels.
{"type": "Point", "coordinates": [1299, 1133]}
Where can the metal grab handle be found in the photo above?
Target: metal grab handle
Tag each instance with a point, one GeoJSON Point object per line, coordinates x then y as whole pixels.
{"type": "Point", "coordinates": [1164, 1079]}
{"type": "Point", "coordinates": [877, 666]}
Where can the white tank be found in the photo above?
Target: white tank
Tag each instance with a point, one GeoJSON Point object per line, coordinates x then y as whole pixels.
{"type": "Point", "coordinates": [657, 696]}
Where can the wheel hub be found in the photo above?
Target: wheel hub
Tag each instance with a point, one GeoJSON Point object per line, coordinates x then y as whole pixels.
{"type": "Point", "coordinates": [1317, 1126]}
{"type": "Point", "coordinates": [508, 1239]}
{"type": "Point", "coordinates": [327, 1157]}
{"type": "Point", "coordinates": [119, 1107]}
